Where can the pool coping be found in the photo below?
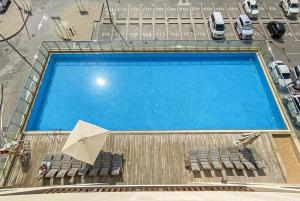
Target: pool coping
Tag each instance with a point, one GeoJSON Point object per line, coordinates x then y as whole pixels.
{"type": "Point", "coordinates": [275, 93]}
{"type": "Point", "coordinates": [264, 67]}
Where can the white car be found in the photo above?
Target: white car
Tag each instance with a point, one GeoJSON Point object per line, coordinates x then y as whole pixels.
{"type": "Point", "coordinates": [216, 25]}
{"type": "Point", "coordinates": [290, 7]}
{"type": "Point", "coordinates": [281, 74]}
{"type": "Point", "coordinates": [295, 75]}
{"type": "Point", "coordinates": [293, 105]}
{"type": "Point", "coordinates": [3, 5]}
{"type": "Point", "coordinates": [251, 8]}
{"type": "Point", "coordinates": [243, 27]}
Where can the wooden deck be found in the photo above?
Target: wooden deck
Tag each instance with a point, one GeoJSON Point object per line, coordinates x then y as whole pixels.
{"type": "Point", "coordinates": [155, 159]}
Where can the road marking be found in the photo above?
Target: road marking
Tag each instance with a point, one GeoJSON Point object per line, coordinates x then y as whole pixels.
{"type": "Point", "coordinates": [179, 22]}
{"type": "Point", "coordinates": [192, 22]}
{"type": "Point", "coordinates": [231, 23]}
{"type": "Point", "coordinates": [140, 21]}
{"type": "Point", "coordinates": [114, 21]}
{"type": "Point", "coordinates": [267, 10]}
{"type": "Point", "coordinates": [167, 25]}
{"type": "Point", "coordinates": [291, 30]}
{"type": "Point", "coordinates": [280, 11]}
{"type": "Point", "coordinates": [205, 22]}
{"type": "Point", "coordinates": [127, 22]}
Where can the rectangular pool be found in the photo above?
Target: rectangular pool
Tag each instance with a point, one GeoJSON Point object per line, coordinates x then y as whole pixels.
{"type": "Point", "coordinates": [155, 91]}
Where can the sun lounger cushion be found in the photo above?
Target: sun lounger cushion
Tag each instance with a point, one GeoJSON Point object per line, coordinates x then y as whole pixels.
{"type": "Point", "coordinates": [228, 164]}
{"type": "Point", "coordinates": [259, 164]}
{"type": "Point", "coordinates": [51, 173]}
{"type": "Point", "coordinates": [205, 165]}
{"type": "Point", "coordinates": [115, 171]}
{"type": "Point", "coordinates": [104, 171]}
{"type": "Point", "coordinates": [249, 165]}
{"type": "Point", "coordinates": [216, 165]}
{"type": "Point", "coordinates": [72, 172]}
{"type": "Point", "coordinates": [94, 172]}
{"type": "Point", "coordinates": [195, 167]}
{"type": "Point", "coordinates": [83, 171]}
{"type": "Point", "coordinates": [238, 165]}
{"type": "Point", "coordinates": [61, 173]}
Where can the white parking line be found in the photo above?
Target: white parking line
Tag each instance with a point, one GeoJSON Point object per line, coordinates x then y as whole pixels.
{"type": "Point", "coordinates": [292, 31]}
{"type": "Point", "coordinates": [263, 28]}
{"type": "Point", "coordinates": [230, 19]}
{"type": "Point", "coordinates": [280, 11]}
{"type": "Point", "coordinates": [127, 22]}
{"type": "Point", "coordinates": [179, 20]}
{"type": "Point", "coordinates": [267, 10]}
{"type": "Point", "coordinates": [205, 22]}
{"type": "Point", "coordinates": [140, 21]}
{"type": "Point", "coordinates": [192, 22]}
{"type": "Point", "coordinates": [114, 20]}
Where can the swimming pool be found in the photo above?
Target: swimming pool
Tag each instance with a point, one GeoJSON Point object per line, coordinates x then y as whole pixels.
{"type": "Point", "coordinates": [155, 91]}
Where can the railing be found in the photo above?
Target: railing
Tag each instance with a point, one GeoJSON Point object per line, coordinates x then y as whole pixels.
{"type": "Point", "coordinates": [26, 99]}
{"type": "Point", "coordinates": [153, 45]}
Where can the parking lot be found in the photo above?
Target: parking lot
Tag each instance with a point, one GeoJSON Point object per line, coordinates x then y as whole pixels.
{"type": "Point", "coordinates": [186, 22]}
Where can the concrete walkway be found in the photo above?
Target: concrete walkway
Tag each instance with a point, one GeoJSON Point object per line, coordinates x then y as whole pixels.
{"type": "Point", "coordinates": [290, 160]}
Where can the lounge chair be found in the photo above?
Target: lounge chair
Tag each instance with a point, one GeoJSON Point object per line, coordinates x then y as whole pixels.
{"type": "Point", "coordinates": [225, 157]}
{"type": "Point", "coordinates": [203, 159]}
{"type": "Point", "coordinates": [117, 164]}
{"type": "Point", "coordinates": [106, 163]}
{"type": "Point", "coordinates": [83, 170]}
{"type": "Point", "coordinates": [187, 163]}
{"type": "Point", "coordinates": [235, 158]}
{"type": "Point", "coordinates": [214, 157]}
{"type": "Point", "coordinates": [194, 161]}
{"type": "Point", "coordinates": [255, 158]}
{"type": "Point", "coordinates": [245, 159]}
{"type": "Point", "coordinates": [75, 166]}
{"type": "Point", "coordinates": [55, 166]}
{"type": "Point", "coordinates": [45, 165]}
{"type": "Point", "coordinates": [65, 167]}
{"type": "Point", "coordinates": [95, 168]}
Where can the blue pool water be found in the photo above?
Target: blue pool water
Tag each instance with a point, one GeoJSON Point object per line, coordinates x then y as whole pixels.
{"type": "Point", "coordinates": [155, 91]}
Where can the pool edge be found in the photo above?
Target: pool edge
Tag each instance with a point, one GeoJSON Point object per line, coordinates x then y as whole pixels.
{"type": "Point", "coordinates": [275, 94]}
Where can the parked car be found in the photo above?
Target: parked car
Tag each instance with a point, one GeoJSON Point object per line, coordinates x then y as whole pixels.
{"type": "Point", "coordinates": [243, 27]}
{"type": "Point", "coordinates": [281, 74]}
{"type": "Point", "coordinates": [276, 29]}
{"type": "Point", "coordinates": [293, 105]}
{"type": "Point", "coordinates": [251, 8]}
{"type": "Point", "coordinates": [290, 7]}
{"type": "Point", "coordinates": [3, 5]}
{"type": "Point", "coordinates": [216, 25]}
{"type": "Point", "coordinates": [295, 75]}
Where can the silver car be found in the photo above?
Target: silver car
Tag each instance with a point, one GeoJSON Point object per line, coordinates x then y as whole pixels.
{"type": "Point", "coordinates": [294, 108]}
{"type": "Point", "coordinates": [295, 75]}
{"type": "Point", "coordinates": [281, 74]}
{"type": "Point", "coordinates": [243, 27]}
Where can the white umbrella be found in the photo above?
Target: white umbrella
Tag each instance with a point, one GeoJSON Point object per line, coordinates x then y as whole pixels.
{"type": "Point", "coordinates": [85, 142]}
